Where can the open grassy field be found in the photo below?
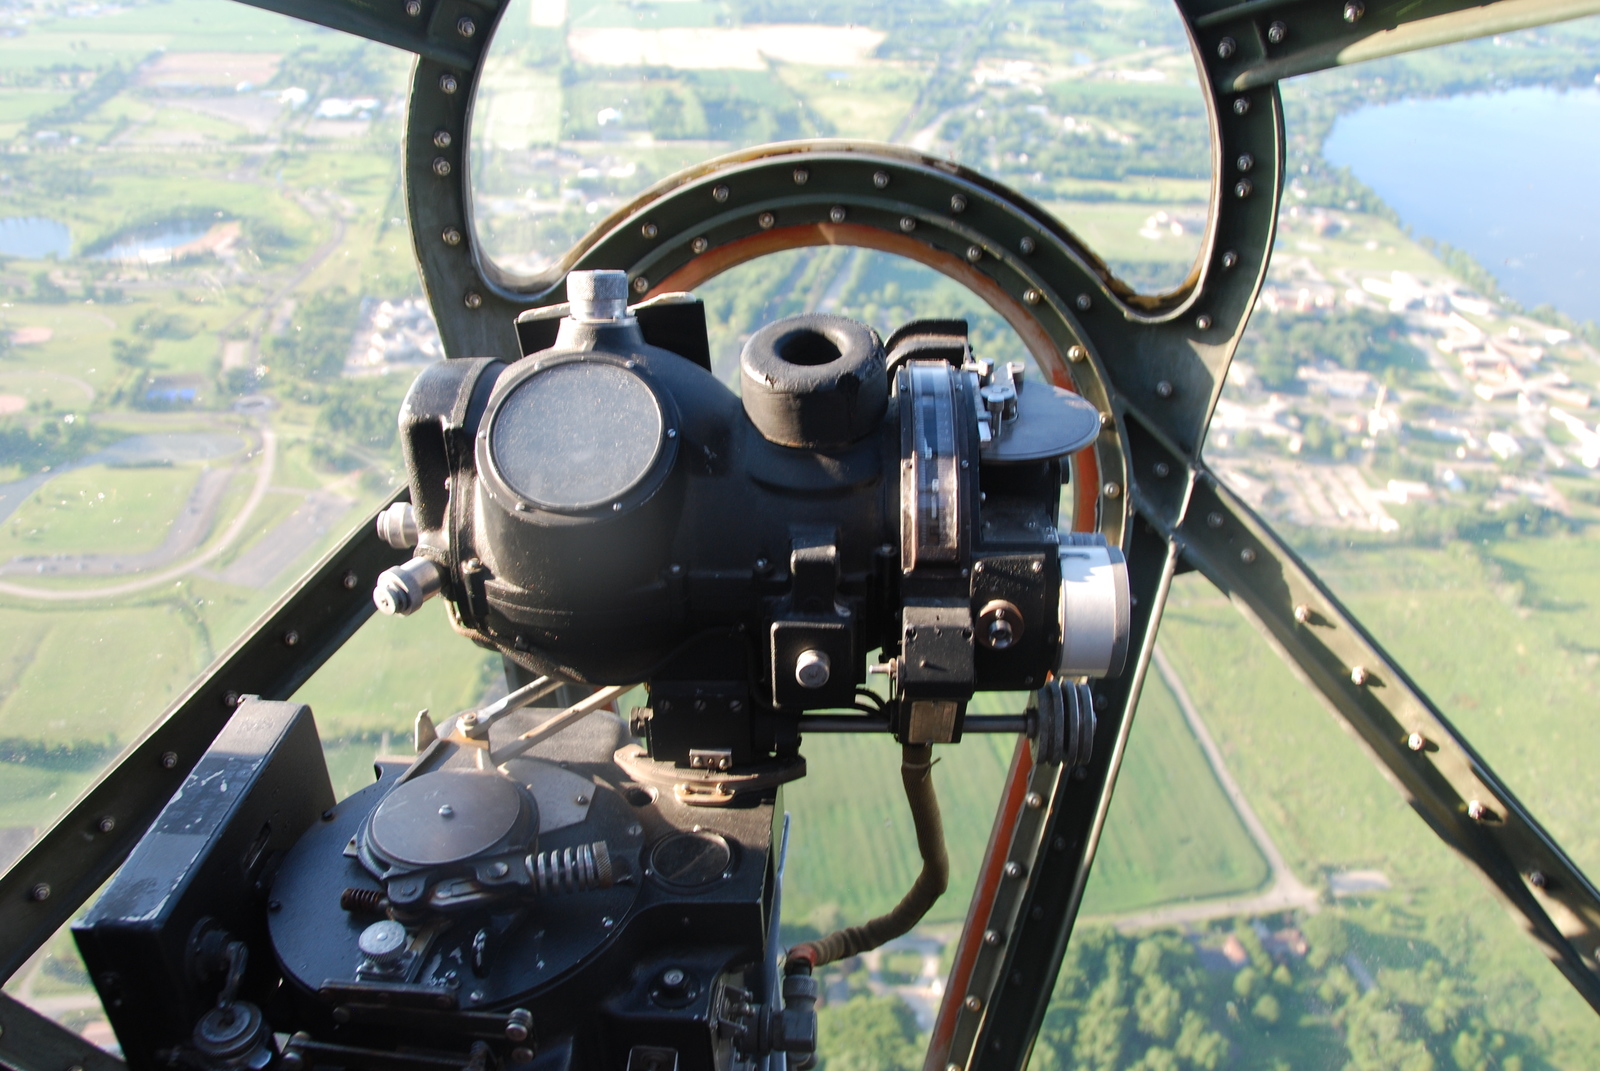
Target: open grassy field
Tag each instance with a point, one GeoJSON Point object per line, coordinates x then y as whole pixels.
{"type": "Point", "coordinates": [99, 509]}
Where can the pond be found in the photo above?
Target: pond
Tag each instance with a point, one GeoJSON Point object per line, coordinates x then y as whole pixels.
{"type": "Point", "coordinates": [1508, 177]}
{"type": "Point", "coordinates": [157, 244]}
{"type": "Point", "coordinates": [34, 237]}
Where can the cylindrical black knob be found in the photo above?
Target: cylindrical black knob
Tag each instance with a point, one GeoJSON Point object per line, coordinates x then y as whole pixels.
{"type": "Point", "coordinates": [813, 381]}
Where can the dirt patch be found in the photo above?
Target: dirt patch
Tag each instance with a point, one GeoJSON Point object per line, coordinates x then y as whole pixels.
{"type": "Point", "coordinates": [183, 70]}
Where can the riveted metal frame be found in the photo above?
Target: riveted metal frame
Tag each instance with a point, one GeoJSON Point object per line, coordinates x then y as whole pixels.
{"type": "Point", "coordinates": [1154, 364]}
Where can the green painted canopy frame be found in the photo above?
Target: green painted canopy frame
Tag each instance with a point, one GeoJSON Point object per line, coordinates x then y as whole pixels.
{"type": "Point", "coordinates": [1153, 364]}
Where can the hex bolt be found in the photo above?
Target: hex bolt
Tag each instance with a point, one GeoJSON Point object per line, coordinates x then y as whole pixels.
{"type": "Point", "coordinates": [1416, 741]}
{"type": "Point", "coordinates": [880, 179]}
{"type": "Point", "coordinates": [1241, 105]}
{"type": "Point", "coordinates": [1161, 469]}
{"type": "Point", "coordinates": [441, 166]}
{"type": "Point", "coordinates": [1476, 810]}
{"type": "Point", "coordinates": [719, 194]}
{"type": "Point", "coordinates": [1278, 33]}
{"type": "Point", "coordinates": [907, 224]}
{"type": "Point", "coordinates": [473, 300]}
{"type": "Point", "coordinates": [1226, 48]}
{"type": "Point", "coordinates": [766, 220]}
{"type": "Point", "coordinates": [1027, 245]}
{"type": "Point", "coordinates": [1164, 389]}
{"type": "Point", "coordinates": [649, 230]}
{"type": "Point", "coordinates": [466, 27]}
{"type": "Point", "coordinates": [1203, 322]}
{"type": "Point", "coordinates": [1229, 259]}
{"type": "Point", "coordinates": [1358, 675]}
{"type": "Point", "coordinates": [836, 214]}
{"type": "Point", "coordinates": [699, 245]}
{"type": "Point", "coordinates": [451, 236]}
{"type": "Point", "coordinates": [1034, 801]}
{"type": "Point", "coordinates": [1084, 302]}
{"type": "Point", "coordinates": [448, 83]}
{"type": "Point", "coordinates": [1031, 297]}
{"type": "Point", "coordinates": [1302, 613]}
{"type": "Point", "coordinates": [1354, 10]}
{"type": "Point", "coordinates": [801, 176]}
{"type": "Point", "coordinates": [1248, 555]}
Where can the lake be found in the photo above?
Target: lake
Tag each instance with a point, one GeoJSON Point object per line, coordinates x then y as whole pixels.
{"type": "Point", "coordinates": [1512, 178]}
{"type": "Point", "coordinates": [34, 237]}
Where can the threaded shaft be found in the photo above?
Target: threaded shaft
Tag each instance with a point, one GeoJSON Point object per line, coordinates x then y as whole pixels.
{"type": "Point", "coordinates": [371, 900]}
{"type": "Point", "coordinates": [571, 870]}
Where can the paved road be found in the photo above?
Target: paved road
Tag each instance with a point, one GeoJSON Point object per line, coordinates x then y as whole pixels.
{"type": "Point", "coordinates": [1285, 893]}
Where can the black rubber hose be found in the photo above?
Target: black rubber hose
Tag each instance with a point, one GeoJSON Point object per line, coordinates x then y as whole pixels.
{"type": "Point", "coordinates": [916, 771]}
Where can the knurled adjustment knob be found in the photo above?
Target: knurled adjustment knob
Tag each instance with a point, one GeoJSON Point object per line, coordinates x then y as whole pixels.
{"type": "Point", "coordinates": [383, 942]}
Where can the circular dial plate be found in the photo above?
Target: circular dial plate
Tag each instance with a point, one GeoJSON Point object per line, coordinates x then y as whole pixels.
{"type": "Point", "coordinates": [446, 817]}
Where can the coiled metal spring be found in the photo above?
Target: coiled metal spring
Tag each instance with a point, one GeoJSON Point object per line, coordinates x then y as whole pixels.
{"type": "Point", "coordinates": [572, 870]}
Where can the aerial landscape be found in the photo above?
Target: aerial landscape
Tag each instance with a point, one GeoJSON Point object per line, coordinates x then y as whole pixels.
{"type": "Point", "coordinates": [209, 313]}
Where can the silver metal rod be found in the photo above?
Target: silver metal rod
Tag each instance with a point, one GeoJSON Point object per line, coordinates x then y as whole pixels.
{"type": "Point", "coordinates": [874, 723]}
{"type": "Point", "coordinates": [575, 713]}
{"type": "Point", "coordinates": [531, 692]}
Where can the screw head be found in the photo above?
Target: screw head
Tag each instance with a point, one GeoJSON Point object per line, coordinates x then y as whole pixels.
{"type": "Point", "coordinates": [169, 760]}
{"type": "Point", "coordinates": [350, 580]}
{"type": "Point", "coordinates": [1014, 869]}
{"type": "Point", "coordinates": [40, 892]}
{"type": "Point", "coordinates": [451, 236]}
{"type": "Point", "coordinates": [1278, 32]}
{"type": "Point", "coordinates": [974, 254]}
{"type": "Point", "coordinates": [1203, 322]}
{"type": "Point", "coordinates": [766, 220]}
{"type": "Point", "coordinates": [1537, 879]}
{"type": "Point", "coordinates": [473, 300]}
{"type": "Point", "coordinates": [1229, 259]}
{"type": "Point", "coordinates": [522, 1055]}
{"type": "Point", "coordinates": [1034, 801]}
{"type": "Point", "coordinates": [1247, 555]}
{"type": "Point", "coordinates": [1358, 675]}
{"type": "Point", "coordinates": [448, 83]}
{"type": "Point", "coordinates": [1241, 105]}
{"type": "Point", "coordinates": [973, 1004]}
{"type": "Point", "coordinates": [1302, 613]}
{"type": "Point", "coordinates": [801, 176]}
{"type": "Point", "coordinates": [1416, 741]}
{"type": "Point", "coordinates": [1214, 519]}
{"type": "Point", "coordinates": [1243, 188]}
{"type": "Point", "coordinates": [640, 284]}
{"type": "Point", "coordinates": [1027, 245]}
{"type": "Point", "coordinates": [230, 699]}
{"type": "Point", "coordinates": [1161, 469]}
{"type": "Point", "coordinates": [907, 224]}
{"type": "Point", "coordinates": [441, 166]}
{"type": "Point", "coordinates": [699, 245]}
{"type": "Point", "coordinates": [466, 27]}
{"type": "Point", "coordinates": [1354, 10]}
{"type": "Point", "coordinates": [649, 230]}
{"type": "Point", "coordinates": [880, 179]}
{"type": "Point", "coordinates": [413, 8]}
{"type": "Point", "coordinates": [1084, 302]}
{"type": "Point", "coordinates": [1164, 389]}
{"type": "Point", "coordinates": [1111, 490]}
{"type": "Point", "coordinates": [291, 638]}
{"type": "Point", "coordinates": [1476, 810]}
{"type": "Point", "coordinates": [1226, 48]}
{"type": "Point", "coordinates": [106, 824]}
{"type": "Point", "coordinates": [1031, 296]}
{"type": "Point", "coordinates": [836, 213]}
{"type": "Point", "coordinates": [1245, 162]}
{"type": "Point", "coordinates": [719, 194]}
{"type": "Point", "coordinates": [442, 139]}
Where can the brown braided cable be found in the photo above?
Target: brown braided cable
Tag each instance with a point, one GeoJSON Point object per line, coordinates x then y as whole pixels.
{"type": "Point", "coordinates": [916, 771]}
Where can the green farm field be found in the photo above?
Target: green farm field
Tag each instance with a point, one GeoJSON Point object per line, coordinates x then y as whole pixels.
{"type": "Point", "coordinates": [99, 509]}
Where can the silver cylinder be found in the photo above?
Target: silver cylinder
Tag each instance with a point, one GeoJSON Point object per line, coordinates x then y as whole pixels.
{"type": "Point", "coordinates": [403, 589]}
{"type": "Point", "coordinates": [597, 296]}
{"type": "Point", "coordinates": [1095, 613]}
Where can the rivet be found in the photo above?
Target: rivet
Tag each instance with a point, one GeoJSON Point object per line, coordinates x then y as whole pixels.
{"type": "Point", "coordinates": [291, 638]}
{"type": "Point", "coordinates": [40, 892]}
{"type": "Point", "coordinates": [1027, 245]}
{"type": "Point", "coordinates": [1476, 810]}
{"type": "Point", "coordinates": [473, 299]}
{"type": "Point", "coordinates": [1278, 32]}
{"type": "Point", "coordinates": [649, 230]}
{"type": "Point", "coordinates": [1354, 10]}
{"type": "Point", "coordinates": [466, 27]}
{"type": "Point", "coordinates": [1416, 741]}
{"type": "Point", "coordinates": [1111, 490]}
{"type": "Point", "coordinates": [672, 433]}
{"type": "Point", "coordinates": [1245, 162]}
{"type": "Point", "coordinates": [1302, 613]}
{"type": "Point", "coordinates": [974, 254]}
{"type": "Point", "coordinates": [640, 284]}
{"type": "Point", "coordinates": [1247, 555]}
{"type": "Point", "coordinates": [973, 1004]}
{"type": "Point", "coordinates": [958, 202]}
{"type": "Point", "coordinates": [1031, 297]}
{"type": "Point", "coordinates": [451, 236]}
{"type": "Point", "coordinates": [1164, 389]}
{"type": "Point", "coordinates": [1203, 322]}
{"type": "Point", "coordinates": [230, 699]}
{"type": "Point", "coordinates": [1226, 48]}
{"type": "Point", "coordinates": [1014, 869]}
{"type": "Point", "coordinates": [1084, 302]}
{"type": "Point", "coordinates": [448, 83]}
{"type": "Point", "coordinates": [907, 224]}
{"type": "Point", "coordinates": [413, 8]}
{"type": "Point", "coordinates": [675, 569]}
{"type": "Point", "coordinates": [1214, 519]}
{"type": "Point", "coordinates": [699, 245]}
{"type": "Point", "coordinates": [1241, 105]}
{"type": "Point", "coordinates": [836, 213]}
{"type": "Point", "coordinates": [719, 194]}
{"type": "Point", "coordinates": [1537, 879]}
{"type": "Point", "coordinates": [801, 176]}
{"type": "Point", "coordinates": [992, 938]}
{"type": "Point", "coordinates": [1161, 469]}
{"type": "Point", "coordinates": [1034, 801]}
{"type": "Point", "coordinates": [169, 759]}
{"type": "Point", "coordinates": [1229, 259]}
{"type": "Point", "coordinates": [880, 179]}
{"type": "Point", "coordinates": [1243, 188]}
{"type": "Point", "coordinates": [441, 139]}
{"type": "Point", "coordinates": [441, 166]}
{"type": "Point", "coordinates": [766, 220]}
{"type": "Point", "coordinates": [1358, 675]}
{"type": "Point", "coordinates": [1105, 420]}
{"type": "Point", "coordinates": [106, 824]}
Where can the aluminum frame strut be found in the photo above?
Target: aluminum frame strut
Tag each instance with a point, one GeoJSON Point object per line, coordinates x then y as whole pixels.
{"type": "Point", "coordinates": [1154, 365]}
